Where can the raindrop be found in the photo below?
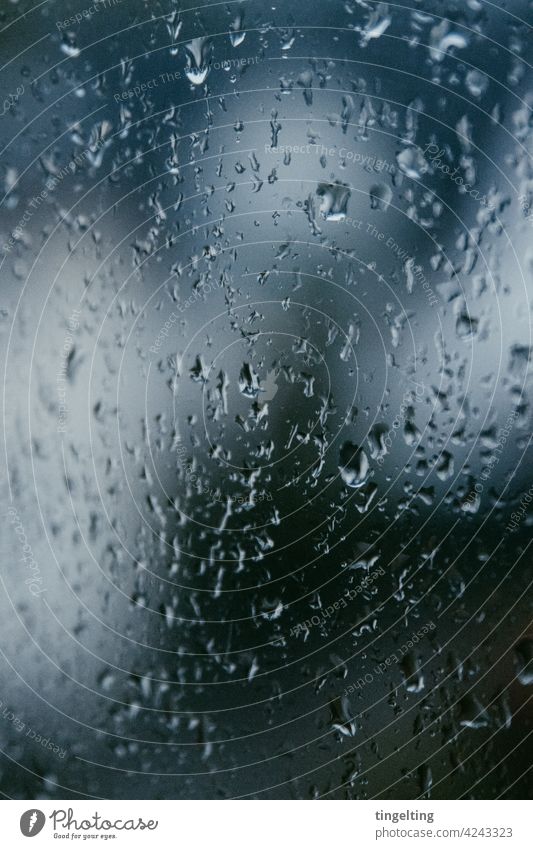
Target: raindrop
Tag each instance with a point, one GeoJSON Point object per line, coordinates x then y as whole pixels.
{"type": "Point", "coordinates": [334, 200]}
{"type": "Point", "coordinates": [353, 465]}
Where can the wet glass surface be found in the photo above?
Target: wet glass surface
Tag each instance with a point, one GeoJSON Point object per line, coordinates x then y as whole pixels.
{"type": "Point", "coordinates": [266, 337]}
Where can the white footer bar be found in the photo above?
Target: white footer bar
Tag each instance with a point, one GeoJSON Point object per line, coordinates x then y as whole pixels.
{"type": "Point", "coordinates": [268, 824]}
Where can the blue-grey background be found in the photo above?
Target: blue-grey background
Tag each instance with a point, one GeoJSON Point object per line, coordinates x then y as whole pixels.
{"type": "Point", "coordinates": [248, 321]}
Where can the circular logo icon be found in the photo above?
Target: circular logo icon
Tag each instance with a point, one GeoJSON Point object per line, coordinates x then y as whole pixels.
{"type": "Point", "coordinates": [32, 822]}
